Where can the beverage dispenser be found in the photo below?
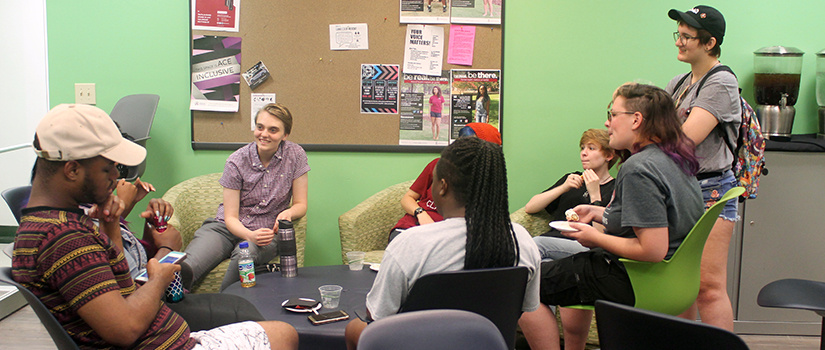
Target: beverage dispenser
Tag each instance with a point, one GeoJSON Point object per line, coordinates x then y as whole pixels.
{"type": "Point", "coordinates": [820, 91]}
{"type": "Point", "coordinates": [777, 71]}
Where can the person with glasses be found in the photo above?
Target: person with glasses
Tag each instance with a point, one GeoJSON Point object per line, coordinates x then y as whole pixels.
{"type": "Point", "coordinates": [710, 118]}
{"type": "Point", "coordinates": [655, 204]}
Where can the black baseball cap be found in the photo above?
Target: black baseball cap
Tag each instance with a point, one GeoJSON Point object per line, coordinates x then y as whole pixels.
{"type": "Point", "coordinates": [702, 17]}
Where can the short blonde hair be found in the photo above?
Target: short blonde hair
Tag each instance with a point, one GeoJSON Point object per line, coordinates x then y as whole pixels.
{"type": "Point", "coordinates": [602, 138]}
{"type": "Point", "coordinates": [281, 112]}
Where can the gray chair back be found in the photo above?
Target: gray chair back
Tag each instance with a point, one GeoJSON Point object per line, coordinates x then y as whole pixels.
{"type": "Point", "coordinates": [626, 327]}
{"type": "Point", "coordinates": [61, 339]}
{"type": "Point", "coordinates": [16, 198]}
{"type": "Point", "coordinates": [135, 114]}
{"type": "Point", "coordinates": [432, 330]}
{"type": "Point", "coordinates": [497, 294]}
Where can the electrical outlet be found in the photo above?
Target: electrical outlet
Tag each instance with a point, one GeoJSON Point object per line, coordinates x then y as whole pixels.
{"type": "Point", "coordinates": [84, 93]}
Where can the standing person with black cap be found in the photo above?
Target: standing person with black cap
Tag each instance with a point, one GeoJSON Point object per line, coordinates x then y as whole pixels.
{"type": "Point", "coordinates": [707, 103]}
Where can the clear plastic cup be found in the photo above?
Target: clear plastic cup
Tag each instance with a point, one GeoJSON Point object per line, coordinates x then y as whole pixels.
{"type": "Point", "coordinates": [356, 260]}
{"type": "Point", "coordinates": [330, 295]}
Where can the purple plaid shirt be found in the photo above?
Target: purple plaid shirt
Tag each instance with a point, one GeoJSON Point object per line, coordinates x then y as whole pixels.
{"type": "Point", "coordinates": [265, 192]}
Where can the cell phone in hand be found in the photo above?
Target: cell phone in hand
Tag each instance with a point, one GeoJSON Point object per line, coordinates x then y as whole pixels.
{"type": "Point", "coordinates": [328, 317]}
{"type": "Point", "coordinates": [171, 258]}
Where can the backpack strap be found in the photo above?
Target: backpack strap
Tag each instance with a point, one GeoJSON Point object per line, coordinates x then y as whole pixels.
{"type": "Point", "coordinates": [718, 127]}
{"type": "Point", "coordinates": [720, 68]}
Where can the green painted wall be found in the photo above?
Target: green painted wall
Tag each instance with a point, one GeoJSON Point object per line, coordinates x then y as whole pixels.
{"type": "Point", "coordinates": [562, 61]}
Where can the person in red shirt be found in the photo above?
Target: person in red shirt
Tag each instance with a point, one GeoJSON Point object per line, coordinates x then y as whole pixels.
{"type": "Point", "coordinates": [436, 106]}
{"type": "Point", "coordinates": [418, 201]}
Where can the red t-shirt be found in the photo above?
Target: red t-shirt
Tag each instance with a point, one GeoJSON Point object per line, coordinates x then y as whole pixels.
{"type": "Point", "coordinates": [423, 186]}
{"type": "Point", "coordinates": [436, 103]}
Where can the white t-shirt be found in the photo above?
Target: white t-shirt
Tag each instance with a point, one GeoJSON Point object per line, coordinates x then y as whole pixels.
{"type": "Point", "coordinates": [434, 248]}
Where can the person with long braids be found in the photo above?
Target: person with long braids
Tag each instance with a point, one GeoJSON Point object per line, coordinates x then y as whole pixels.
{"type": "Point", "coordinates": [470, 190]}
{"type": "Point", "coordinates": [655, 204]}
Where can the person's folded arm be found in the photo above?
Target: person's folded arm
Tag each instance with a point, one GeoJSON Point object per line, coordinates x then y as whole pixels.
{"type": "Point", "coordinates": [231, 210]}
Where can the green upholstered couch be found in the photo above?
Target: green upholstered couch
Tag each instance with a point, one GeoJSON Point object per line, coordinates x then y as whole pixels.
{"type": "Point", "coordinates": [367, 226]}
{"type": "Point", "coordinates": [196, 200]}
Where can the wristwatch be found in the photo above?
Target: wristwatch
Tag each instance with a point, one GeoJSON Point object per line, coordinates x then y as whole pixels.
{"type": "Point", "coordinates": [417, 211]}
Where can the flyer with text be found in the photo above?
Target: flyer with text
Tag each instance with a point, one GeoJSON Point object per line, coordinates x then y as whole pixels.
{"type": "Point", "coordinates": [425, 11]}
{"type": "Point", "coordinates": [424, 109]}
{"type": "Point", "coordinates": [217, 15]}
{"type": "Point", "coordinates": [216, 73]}
{"type": "Point", "coordinates": [476, 11]}
{"type": "Point", "coordinates": [423, 49]}
{"type": "Point", "coordinates": [475, 98]}
{"type": "Point", "coordinates": [379, 88]}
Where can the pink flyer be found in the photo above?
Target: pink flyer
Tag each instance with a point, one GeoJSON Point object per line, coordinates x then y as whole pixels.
{"type": "Point", "coordinates": [461, 45]}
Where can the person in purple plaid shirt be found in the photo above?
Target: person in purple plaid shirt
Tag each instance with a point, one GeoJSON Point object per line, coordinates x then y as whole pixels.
{"type": "Point", "coordinates": [260, 181]}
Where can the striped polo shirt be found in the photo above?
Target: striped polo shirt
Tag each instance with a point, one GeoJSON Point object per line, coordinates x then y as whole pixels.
{"type": "Point", "coordinates": [61, 257]}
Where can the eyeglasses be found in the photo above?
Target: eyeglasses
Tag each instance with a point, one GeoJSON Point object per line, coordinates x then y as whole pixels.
{"type": "Point", "coordinates": [683, 38]}
{"type": "Point", "coordinates": [612, 114]}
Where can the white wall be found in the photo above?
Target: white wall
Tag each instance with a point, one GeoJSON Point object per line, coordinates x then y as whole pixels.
{"type": "Point", "coordinates": [24, 92]}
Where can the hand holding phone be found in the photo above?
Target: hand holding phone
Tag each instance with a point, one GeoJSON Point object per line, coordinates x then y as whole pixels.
{"type": "Point", "coordinates": [171, 258]}
{"type": "Point", "coordinates": [328, 317]}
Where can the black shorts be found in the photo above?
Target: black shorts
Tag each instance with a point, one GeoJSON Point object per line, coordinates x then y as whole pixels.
{"type": "Point", "coordinates": [583, 278]}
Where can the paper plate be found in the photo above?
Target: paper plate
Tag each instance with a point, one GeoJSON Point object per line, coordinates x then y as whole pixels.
{"type": "Point", "coordinates": [563, 226]}
{"type": "Point", "coordinates": [374, 267]}
{"type": "Point", "coordinates": [308, 309]}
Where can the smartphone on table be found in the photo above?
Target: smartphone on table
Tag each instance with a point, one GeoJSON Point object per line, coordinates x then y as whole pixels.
{"type": "Point", "coordinates": [171, 258]}
{"type": "Point", "coordinates": [328, 317]}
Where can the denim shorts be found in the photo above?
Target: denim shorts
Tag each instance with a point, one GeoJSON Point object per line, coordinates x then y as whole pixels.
{"type": "Point", "coordinates": [714, 188]}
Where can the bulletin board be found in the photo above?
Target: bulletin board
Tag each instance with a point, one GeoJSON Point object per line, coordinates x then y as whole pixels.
{"type": "Point", "coordinates": [321, 87]}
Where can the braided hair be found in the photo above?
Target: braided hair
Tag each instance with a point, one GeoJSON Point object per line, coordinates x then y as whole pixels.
{"type": "Point", "coordinates": [476, 172]}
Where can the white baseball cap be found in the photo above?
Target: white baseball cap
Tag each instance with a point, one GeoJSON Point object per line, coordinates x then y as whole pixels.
{"type": "Point", "coordinates": [78, 131]}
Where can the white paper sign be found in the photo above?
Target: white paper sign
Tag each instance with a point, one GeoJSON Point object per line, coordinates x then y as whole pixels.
{"type": "Point", "coordinates": [423, 49]}
{"type": "Point", "coordinates": [353, 36]}
{"type": "Point", "coordinates": [258, 102]}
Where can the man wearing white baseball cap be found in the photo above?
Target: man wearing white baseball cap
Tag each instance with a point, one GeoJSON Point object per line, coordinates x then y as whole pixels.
{"type": "Point", "coordinates": [63, 258]}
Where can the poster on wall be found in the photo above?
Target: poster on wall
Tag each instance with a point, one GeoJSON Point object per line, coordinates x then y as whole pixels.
{"type": "Point", "coordinates": [259, 100]}
{"type": "Point", "coordinates": [425, 11]}
{"type": "Point", "coordinates": [216, 73]}
{"type": "Point", "coordinates": [423, 49]}
{"type": "Point", "coordinates": [216, 15]}
{"type": "Point", "coordinates": [475, 98]}
{"type": "Point", "coordinates": [424, 109]}
{"type": "Point", "coordinates": [353, 36]}
{"type": "Point", "coordinates": [476, 11]}
{"type": "Point", "coordinates": [379, 88]}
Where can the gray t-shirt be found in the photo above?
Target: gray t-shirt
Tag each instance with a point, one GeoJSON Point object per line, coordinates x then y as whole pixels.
{"type": "Point", "coordinates": [433, 248]}
{"type": "Point", "coordinates": [652, 191]}
{"type": "Point", "coordinates": [719, 96]}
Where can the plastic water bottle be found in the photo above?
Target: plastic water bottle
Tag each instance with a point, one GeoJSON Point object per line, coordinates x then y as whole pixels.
{"type": "Point", "coordinates": [246, 266]}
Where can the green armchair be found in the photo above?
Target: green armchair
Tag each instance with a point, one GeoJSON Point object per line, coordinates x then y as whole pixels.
{"type": "Point", "coordinates": [196, 200]}
{"type": "Point", "coordinates": [536, 224]}
{"type": "Point", "coordinates": [367, 227]}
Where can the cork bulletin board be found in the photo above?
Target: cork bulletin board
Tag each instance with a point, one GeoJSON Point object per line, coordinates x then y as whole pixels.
{"type": "Point", "coordinates": [321, 87]}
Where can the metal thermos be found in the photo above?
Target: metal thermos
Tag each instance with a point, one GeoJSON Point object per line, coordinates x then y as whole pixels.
{"type": "Point", "coordinates": [287, 249]}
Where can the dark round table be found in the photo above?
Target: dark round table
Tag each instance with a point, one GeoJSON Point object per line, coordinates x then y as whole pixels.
{"type": "Point", "coordinates": [272, 289]}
